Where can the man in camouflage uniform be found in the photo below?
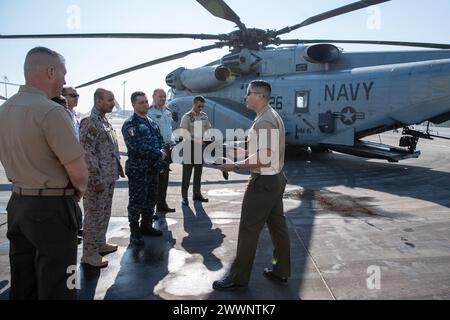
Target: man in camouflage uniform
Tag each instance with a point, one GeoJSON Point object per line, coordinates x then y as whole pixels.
{"type": "Point", "coordinates": [145, 154]}
{"type": "Point", "coordinates": [102, 156]}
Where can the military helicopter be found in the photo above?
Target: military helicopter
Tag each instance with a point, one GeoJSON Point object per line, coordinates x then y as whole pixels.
{"type": "Point", "coordinates": [328, 98]}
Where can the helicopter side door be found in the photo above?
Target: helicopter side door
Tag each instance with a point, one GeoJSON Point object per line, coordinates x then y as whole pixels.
{"type": "Point", "coordinates": [302, 113]}
{"type": "Point", "coordinates": [294, 101]}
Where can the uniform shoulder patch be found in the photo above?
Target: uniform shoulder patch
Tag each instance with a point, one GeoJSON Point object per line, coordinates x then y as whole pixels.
{"type": "Point", "coordinates": [91, 134]}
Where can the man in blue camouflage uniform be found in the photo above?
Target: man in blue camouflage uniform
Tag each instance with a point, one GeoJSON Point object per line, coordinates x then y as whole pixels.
{"type": "Point", "coordinates": [145, 154]}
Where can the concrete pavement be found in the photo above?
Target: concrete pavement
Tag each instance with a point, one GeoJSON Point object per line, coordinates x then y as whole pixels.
{"type": "Point", "coordinates": [359, 229]}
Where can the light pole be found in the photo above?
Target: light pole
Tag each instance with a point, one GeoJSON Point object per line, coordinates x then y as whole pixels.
{"type": "Point", "coordinates": [123, 84]}
{"type": "Point", "coordinates": [6, 80]}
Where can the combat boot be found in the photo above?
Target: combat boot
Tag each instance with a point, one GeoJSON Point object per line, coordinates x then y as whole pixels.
{"type": "Point", "coordinates": [107, 248]}
{"type": "Point", "coordinates": [136, 236]}
{"type": "Point", "coordinates": [148, 230]}
{"type": "Point", "coordinates": [94, 260]}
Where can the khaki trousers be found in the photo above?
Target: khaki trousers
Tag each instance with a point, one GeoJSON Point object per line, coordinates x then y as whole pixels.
{"type": "Point", "coordinates": [262, 203]}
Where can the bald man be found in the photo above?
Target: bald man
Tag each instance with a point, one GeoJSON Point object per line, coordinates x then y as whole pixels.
{"type": "Point", "coordinates": [45, 163]}
{"type": "Point", "coordinates": [98, 138]}
{"type": "Point", "coordinates": [159, 113]}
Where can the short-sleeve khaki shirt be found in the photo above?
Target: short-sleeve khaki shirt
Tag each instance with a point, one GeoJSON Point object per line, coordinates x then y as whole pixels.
{"type": "Point", "coordinates": [189, 120]}
{"type": "Point", "coordinates": [268, 132]}
{"type": "Point", "coordinates": [36, 139]}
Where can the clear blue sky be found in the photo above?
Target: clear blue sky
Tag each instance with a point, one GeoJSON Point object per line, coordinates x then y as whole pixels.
{"type": "Point", "coordinates": [405, 20]}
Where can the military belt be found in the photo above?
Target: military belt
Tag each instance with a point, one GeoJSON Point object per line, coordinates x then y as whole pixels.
{"type": "Point", "coordinates": [43, 192]}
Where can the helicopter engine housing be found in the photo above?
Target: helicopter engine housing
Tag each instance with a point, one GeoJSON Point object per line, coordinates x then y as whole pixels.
{"type": "Point", "coordinates": [242, 62]}
{"type": "Point", "coordinates": [199, 79]}
{"type": "Point", "coordinates": [321, 53]}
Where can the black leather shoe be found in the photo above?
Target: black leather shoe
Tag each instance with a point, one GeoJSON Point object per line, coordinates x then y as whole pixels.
{"type": "Point", "coordinates": [185, 202]}
{"type": "Point", "coordinates": [150, 231]}
{"type": "Point", "coordinates": [165, 209]}
{"type": "Point", "coordinates": [200, 198]}
{"type": "Point", "coordinates": [227, 284]}
{"type": "Point", "coordinates": [268, 273]}
{"type": "Point", "coordinates": [136, 239]}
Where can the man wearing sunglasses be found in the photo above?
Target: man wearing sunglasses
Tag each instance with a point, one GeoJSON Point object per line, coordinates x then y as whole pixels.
{"type": "Point", "coordinates": [193, 119]}
{"type": "Point", "coordinates": [71, 95]}
{"type": "Point", "coordinates": [263, 199]}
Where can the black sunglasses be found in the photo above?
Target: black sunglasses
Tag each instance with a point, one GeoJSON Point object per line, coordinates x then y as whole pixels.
{"type": "Point", "coordinates": [72, 95]}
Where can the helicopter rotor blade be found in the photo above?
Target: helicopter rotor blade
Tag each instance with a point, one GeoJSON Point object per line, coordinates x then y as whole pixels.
{"type": "Point", "coordinates": [388, 43]}
{"type": "Point", "coordinates": [115, 35]}
{"type": "Point", "coordinates": [329, 14]}
{"type": "Point", "coordinates": [220, 9]}
{"type": "Point", "coordinates": [153, 62]}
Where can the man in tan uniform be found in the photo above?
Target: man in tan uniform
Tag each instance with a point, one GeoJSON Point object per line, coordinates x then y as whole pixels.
{"type": "Point", "coordinates": [263, 199]}
{"type": "Point", "coordinates": [98, 138]}
{"type": "Point", "coordinates": [45, 163]}
{"type": "Point", "coordinates": [192, 119]}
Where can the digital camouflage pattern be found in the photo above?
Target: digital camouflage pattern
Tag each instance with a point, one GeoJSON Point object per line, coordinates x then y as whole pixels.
{"type": "Point", "coordinates": [99, 140]}
{"type": "Point", "coordinates": [144, 143]}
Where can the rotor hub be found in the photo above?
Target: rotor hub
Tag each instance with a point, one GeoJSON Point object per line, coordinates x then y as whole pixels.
{"type": "Point", "coordinates": [255, 39]}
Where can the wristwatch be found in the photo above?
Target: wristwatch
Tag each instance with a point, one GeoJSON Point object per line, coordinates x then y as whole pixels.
{"type": "Point", "coordinates": [237, 167]}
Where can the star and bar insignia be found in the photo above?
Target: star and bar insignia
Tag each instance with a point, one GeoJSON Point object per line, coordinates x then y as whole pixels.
{"type": "Point", "coordinates": [131, 132]}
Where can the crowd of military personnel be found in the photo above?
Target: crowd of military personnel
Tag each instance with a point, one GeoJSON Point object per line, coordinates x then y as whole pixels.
{"type": "Point", "coordinates": [56, 161]}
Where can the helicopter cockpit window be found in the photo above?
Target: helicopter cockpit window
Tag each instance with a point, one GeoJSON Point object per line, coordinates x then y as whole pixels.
{"type": "Point", "coordinates": [301, 101]}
